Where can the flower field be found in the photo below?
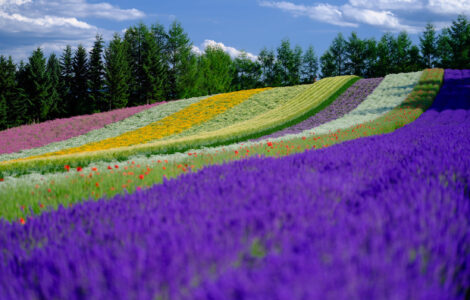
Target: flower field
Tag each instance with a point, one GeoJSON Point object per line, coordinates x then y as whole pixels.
{"type": "Point", "coordinates": [348, 188]}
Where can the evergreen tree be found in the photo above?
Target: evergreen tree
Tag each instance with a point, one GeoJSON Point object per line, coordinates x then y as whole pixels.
{"type": "Point", "coordinates": [81, 103]}
{"type": "Point", "coordinates": [310, 66]}
{"type": "Point", "coordinates": [154, 65]}
{"type": "Point", "coordinates": [66, 76]}
{"type": "Point", "coordinates": [386, 55]}
{"type": "Point", "coordinates": [403, 50]}
{"type": "Point", "coordinates": [370, 61]}
{"type": "Point", "coordinates": [338, 51]}
{"type": "Point", "coordinates": [444, 50]}
{"type": "Point", "coordinates": [53, 71]}
{"type": "Point", "coordinates": [134, 39]}
{"type": "Point", "coordinates": [459, 33]}
{"type": "Point", "coordinates": [182, 62]}
{"type": "Point", "coordinates": [247, 73]}
{"type": "Point", "coordinates": [289, 63]}
{"type": "Point", "coordinates": [428, 45]}
{"type": "Point", "coordinates": [416, 61]}
{"type": "Point", "coordinates": [267, 59]}
{"type": "Point", "coordinates": [356, 54]}
{"type": "Point", "coordinates": [328, 65]}
{"type": "Point", "coordinates": [216, 71]}
{"type": "Point", "coordinates": [96, 76]}
{"type": "Point", "coordinates": [117, 74]}
{"type": "Point", "coordinates": [37, 87]}
{"type": "Point", "coordinates": [7, 92]}
{"type": "Point", "coordinates": [19, 110]}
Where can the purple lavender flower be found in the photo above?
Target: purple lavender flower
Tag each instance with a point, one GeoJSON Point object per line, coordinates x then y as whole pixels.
{"type": "Point", "coordinates": [374, 218]}
{"type": "Point", "coordinates": [345, 103]}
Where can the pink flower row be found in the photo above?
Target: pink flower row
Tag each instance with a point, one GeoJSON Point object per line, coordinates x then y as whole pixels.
{"type": "Point", "coordinates": [38, 135]}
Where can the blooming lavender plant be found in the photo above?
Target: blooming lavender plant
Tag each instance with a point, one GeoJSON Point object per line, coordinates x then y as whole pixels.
{"type": "Point", "coordinates": [345, 103]}
{"type": "Point", "coordinates": [374, 218]}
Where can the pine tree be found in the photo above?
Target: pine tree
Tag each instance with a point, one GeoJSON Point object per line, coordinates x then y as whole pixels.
{"type": "Point", "coordinates": [154, 65]}
{"type": "Point", "coordinates": [18, 112]}
{"type": "Point", "coordinates": [459, 33]}
{"type": "Point", "coordinates": [310, 66]}
{"type": "Point", "coordinates": [95, 76]}
{"type": "Point", "coordinates": [356, 54]}
{"type": "Point", "coordinates": [266, 59]}
{"type": "Point", "coordinates": [403, 51]}
{"type": "Point", "coordinates": [37, 87]}
{"type": "Point", "coordinates": [81, 103]}
{"type": "Point", "coordinates": [182, 62]}
{"type": "Point", "coordinates": [134, 39]}
{"type": "Point", "coordinates": [284, 61]}
{"type": "Point", "coordinates": [444, 50]}
{"type": "Point", "coordinates": [428, 45]}
{"type": "Point", "coordinates": [117, 74]}
{"type": "Point", "coordinates": [338, 51]}
{"type": "Point", "coordinates": [8, 93]}
{"type": "Point", "coordinates": [370, 62]}
{"type": "Point", "coordinates": [328, 64]}
{"type": "Point", "coordinates": [386, 55]}
{"type": "Point", "coordinates": [53, 71]}
{"type": "Point", "coordinates": [66, 77]}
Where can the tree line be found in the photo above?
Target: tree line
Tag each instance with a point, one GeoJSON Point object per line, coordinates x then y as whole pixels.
{"type": "Point", "coordinates": [150, 64]}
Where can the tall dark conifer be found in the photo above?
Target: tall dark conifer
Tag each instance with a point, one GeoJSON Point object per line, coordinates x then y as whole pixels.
{"type": "Point", "coordinates": [8, 93]}
{"type": "Point", "coordinates": [37, 87]}
{"type": "Point", "coordinates": [247, 73]}
{"type": "Point", "coordinates": [459, 33]}
{"type": "Point", "coordinates": [328, 65]}
{"type": "Point", "coordinates": [95, 75]}
{"type": "Point", "coordinates": [56, 104]}
{"type": "Point", "coordinates": [80, 92]}
{"type": "Point", "coordinates": [310, 66]}
{"type": "Point", "coordinates": [267, 61]}
{"type": "Point", "coordinates": [428, 46]}
{"type": "Point", "coordinates": [216, 71]}
{"type": "Point", "coordinates": [182, 62]}
{"type": "Point", "coordinates": [66, 76]}
{"type": "Point", "coordinates": [356, 53]}
{"type": "Point", "coordinates": [134, 39]}
{"type": "Point", "coordinates": [117, 74]}
{"type": "Point", "coordinates": [338, 51]}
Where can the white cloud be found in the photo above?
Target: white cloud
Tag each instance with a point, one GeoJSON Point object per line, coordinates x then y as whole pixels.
{"type": "Point", "coordinates": [353, 14]}
{"type": "Point", "coordinates": [450, 7]}
{"type": "Point", "coordinates": [389, 4]}
{"type": "Point", "coordinates": [383, 19]}
{"type": "Point", "coordinates": [320, 12]}
{"type": "Point", "coordinates": [233, 52]}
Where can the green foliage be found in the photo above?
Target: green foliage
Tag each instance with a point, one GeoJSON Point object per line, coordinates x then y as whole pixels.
{"type": "Point", "coordinates": [428, 46]}
{"type": "Point", "coordinates": [328, 66]}
{"type": "Point", "coordinates": [96, 76]}
{"type": "Point", "coordinates": [8, 92]}
{"type": "Point", "coordinates": [247, 73]}
{"type": "Point", "coordinates": [215, 71]}
{"type": "Point", "coordinates": [79, 88]}
{"type": "Point", "coordinates": [154, 64]}
{"type": "Point", "coordinates": [289, 63]}
{"type": "Point", "coordinates": [66, 76]}
{"type": "Point", "coordinates": [267, 60]}
{"type": "Point", "coordinates": [37, 87]}
{"type": "Point", "coordinates": [53, 70]}
{"type": "Point", "coordinates": [117, 74]}
{"type": "Point", "coordinates": [356, 53]}
{"type": "Point", "coordinates": [310, 66]}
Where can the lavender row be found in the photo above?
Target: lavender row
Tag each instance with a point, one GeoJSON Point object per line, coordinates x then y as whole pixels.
{"type": "Point", "coordinates": [38, 135]}
{"type": "Point", "coordinates": [380, 217]}
{"type": "Point", "coordinates": [345, 103]}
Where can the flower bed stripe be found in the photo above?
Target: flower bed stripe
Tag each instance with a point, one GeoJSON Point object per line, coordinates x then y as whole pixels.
{"type": "Point", "coordinates": [133, 122]}
{"type": "Point", "coordinates": [196, 113]}
{"type": "Point", "coordinates": [345, 103]}
{"type": "Point", "coordinates": [38, 135]}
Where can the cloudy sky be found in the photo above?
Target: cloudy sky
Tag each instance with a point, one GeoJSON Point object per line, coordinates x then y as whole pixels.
{"type": "Point", "coordinates": [235, 25]}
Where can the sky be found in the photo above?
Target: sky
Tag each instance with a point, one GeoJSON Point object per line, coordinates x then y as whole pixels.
{"type": "Point", "coordinates": [234, 25]}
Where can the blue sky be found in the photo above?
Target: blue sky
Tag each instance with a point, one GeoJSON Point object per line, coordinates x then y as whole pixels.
{"type": "Point", "coordinates": [235, 25]}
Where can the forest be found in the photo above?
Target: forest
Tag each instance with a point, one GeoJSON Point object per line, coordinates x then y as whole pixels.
{"type": "Point", "coordinates": [148, 64]}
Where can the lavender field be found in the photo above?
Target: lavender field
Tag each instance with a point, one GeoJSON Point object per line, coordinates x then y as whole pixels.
{"type": "Point", "coordinates": [383, 217]}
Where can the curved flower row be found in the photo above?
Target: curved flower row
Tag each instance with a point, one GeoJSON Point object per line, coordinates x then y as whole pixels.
{"type": "Point", "coordinates": [183, 119]}
{"type": "Point", "coordinates": [133, 122]}
{"type": "Point", "coordinates": [345, 103]}
{"type": "Point", "coordinates": [380, 217]}
{"type": "Point", "coordinates": [38, 135]}
{"type": "Point", "coordinates": [256, 105]}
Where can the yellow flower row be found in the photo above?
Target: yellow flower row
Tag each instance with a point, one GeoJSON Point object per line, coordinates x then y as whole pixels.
{"type": "Point", "coordinates": [194, 114]}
